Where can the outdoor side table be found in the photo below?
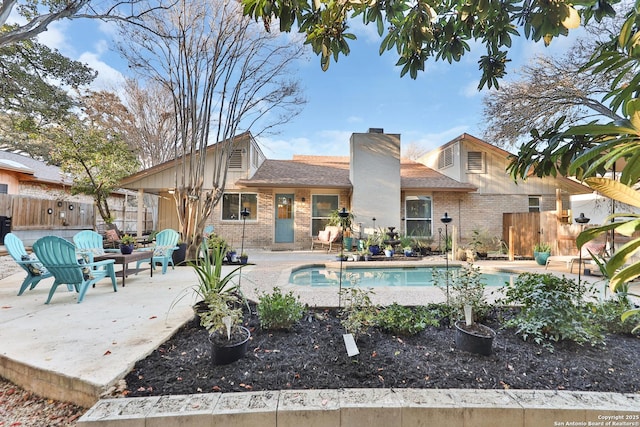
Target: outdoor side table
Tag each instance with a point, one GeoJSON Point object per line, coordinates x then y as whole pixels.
{"type": "Point", "coordinates": [124, 260]}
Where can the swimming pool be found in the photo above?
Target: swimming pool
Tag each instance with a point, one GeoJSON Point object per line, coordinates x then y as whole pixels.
{"type": "Point", "coordinates": [320, 276]}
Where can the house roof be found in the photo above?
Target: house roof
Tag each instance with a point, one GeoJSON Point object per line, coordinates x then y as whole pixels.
{"type": "Point", "coordinates": [414, 175]}
{"type": "Point", "coordinates": [32, 169]}
{"type": "Point", "coordinates": [171, 164]}
{"type": "Point", "coordinates": [333, 172]}
{"type": "Point", "coordinates": [294, 173]}
{"type": "Point", "coordinates": [570, 183]}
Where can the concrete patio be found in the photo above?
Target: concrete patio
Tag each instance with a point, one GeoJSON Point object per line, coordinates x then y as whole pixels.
{"type": "Point", "coordinates": [78, 352]}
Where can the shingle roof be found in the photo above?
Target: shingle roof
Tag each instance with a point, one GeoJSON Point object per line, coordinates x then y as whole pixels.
{"type": "Point", "coordinates": [414, 175]}
{"type": "Point", "coordinates": [333, 172]}
{"type": "Point", "coordinates": [291, 173]}
{"type": "Point", "coordinates": [40, 171]}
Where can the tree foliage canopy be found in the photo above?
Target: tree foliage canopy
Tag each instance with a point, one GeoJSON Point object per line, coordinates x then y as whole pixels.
{"type": "Point", "coordinates": [423, 29]}
{"type": "Point", "coordinates": [96, 159]}
{"type": "Point", "coordinates": [39, 14]}
{"type": "Point", "coordinates": [34, 93]}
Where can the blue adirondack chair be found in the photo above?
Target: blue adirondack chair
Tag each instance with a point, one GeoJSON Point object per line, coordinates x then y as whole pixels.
{"type": "Point", "coordinates": [89, 244]}
{"type": "Point", "coordinates": [60, 258]}
{"type": "Point", "coordinates": [29, 263]}
{"type": "Point", "coordinates": [162, 252]}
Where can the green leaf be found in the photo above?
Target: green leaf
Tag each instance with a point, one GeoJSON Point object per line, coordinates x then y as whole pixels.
{"type": "Point", "coordinates": [615, 190]}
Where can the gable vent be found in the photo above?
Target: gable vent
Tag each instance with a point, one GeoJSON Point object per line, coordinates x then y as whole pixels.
{"type": "Point", "coordinates": [235, 161]}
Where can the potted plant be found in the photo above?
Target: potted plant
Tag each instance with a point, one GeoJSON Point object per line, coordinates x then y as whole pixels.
{"type": "Point", "coordinates": [467, 302]}
{"type": "Point", "coordinates": [127, 243]}
{"type": "Point", "coordinates": [222, 319]}
{"type": "Point", "coordinates": [388, 251]}
{"type": "Point", "coordinates": [179, 254]}
{"type": "Point", "coordinates": [244, 258]}
{"type": "Point", "coordinates": [408, 251]}
{"type": "Point", "coordinates": [346, 224]}
{"type": "Point", "coordinates": [479, 243]}
{"type": "Point", "coordinates": [373, 243]}
{"type": "Point", "coordinates": [473, 337]}
{"type": "Point", "coordinates": [208, 268]}
{"type": "Point", "coordinates": [541, 251]}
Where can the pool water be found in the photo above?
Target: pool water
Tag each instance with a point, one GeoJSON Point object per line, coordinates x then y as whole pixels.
{"type": "Point", "coordinates": [390, 276]}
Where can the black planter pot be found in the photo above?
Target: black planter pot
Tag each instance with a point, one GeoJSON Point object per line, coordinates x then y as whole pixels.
{"type": "Point", "coordinates": [223, 354]}
{"type": "Point", "coordinates": [476, 338]}
{"type": "Point", "coordinates": [179, 254]}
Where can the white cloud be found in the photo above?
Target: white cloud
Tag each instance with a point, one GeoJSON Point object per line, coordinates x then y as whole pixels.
{"type": "Point", "coordinates": [470, 90]}
{"type": "Point", "coordinates": [430, 141]}
{"type": "Point", "coordinates": [55, 37]}
{"type": "Point", "coordinates": [108, 77]}
{"type": "Point", "coordinates": [324, 143]}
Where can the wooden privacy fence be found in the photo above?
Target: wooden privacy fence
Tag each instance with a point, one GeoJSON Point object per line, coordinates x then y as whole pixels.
{"type": "Point", "coordinates": [30, 213]}
{"type": "Point", "coordinates": [526, 227]}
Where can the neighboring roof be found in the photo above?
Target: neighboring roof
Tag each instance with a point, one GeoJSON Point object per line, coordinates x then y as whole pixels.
{"type": "Point", "coordinates": [292, 173]}
{"type": "Point", "coordinates": [32, 169]}
{"type": "Point", "coordinates": [333, 172]}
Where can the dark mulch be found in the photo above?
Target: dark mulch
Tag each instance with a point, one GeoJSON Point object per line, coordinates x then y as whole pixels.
{"type": "Point", "coordinates": [313, 356]}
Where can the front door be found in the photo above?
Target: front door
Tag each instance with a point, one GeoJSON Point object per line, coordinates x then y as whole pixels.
{"type": "Point", "coordinates": [284, 218]}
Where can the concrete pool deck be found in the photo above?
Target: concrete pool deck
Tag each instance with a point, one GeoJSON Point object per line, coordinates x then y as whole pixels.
{"type": "Point", "coordinates": [76, 352]}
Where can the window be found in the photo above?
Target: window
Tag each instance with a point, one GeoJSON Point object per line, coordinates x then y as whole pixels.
{"type": "Point", "coordinates": [418, 216]}
{"type": "Point", "coordinates": [475, 161]}
{"type": "Point", "coordinates": [321, 208]}
{"type": "Point", "coordinates": [534, 203]}
{"type": "Point", "coordinates": [235, 160]}
{"type": "Point", "coordinates": [233, 203]}
{"type": "Point", "coordinates": [4, 188]}
{"type": "Point", "coordinates": [445, 158]}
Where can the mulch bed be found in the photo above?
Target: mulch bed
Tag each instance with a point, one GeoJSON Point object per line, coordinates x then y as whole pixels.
{"type": "Point", "coordinates": [313, 356]}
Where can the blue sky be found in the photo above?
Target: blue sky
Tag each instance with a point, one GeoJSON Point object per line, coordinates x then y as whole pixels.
{"type": "Point", "coordinates": [360, 91]}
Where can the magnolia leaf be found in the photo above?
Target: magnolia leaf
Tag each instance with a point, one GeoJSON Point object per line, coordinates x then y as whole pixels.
{"type": "Point", "coordinates": [615, 190]}
{"type": "Point", "coordinates": [573, 20]}
{"type": "Point", "coordinates": [623, 276]}
{"type": "Point", "coordinates": [629, 313]}
{"type": "Point", "coordinates": [621, 257]}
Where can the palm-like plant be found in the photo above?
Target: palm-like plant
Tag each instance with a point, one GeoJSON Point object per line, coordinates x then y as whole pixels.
{"type": "Point", "coordinates": [209, 271]}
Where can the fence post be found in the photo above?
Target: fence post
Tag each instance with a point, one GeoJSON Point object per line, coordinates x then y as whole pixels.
{"type": "Point", "coordinates": [512, 256]}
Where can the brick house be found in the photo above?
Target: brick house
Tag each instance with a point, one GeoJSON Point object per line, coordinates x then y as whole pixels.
{"type": "Point", "coordinates": [290, 200]}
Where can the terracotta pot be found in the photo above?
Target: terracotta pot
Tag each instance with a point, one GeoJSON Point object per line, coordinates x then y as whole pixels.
{"type": "Point", "coordinates": [476, 338]}
{"type": "Point", "coordinates": [224, 352]}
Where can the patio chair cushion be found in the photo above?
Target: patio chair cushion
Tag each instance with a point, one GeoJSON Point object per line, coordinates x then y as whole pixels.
{"type": "Point", "coordinates": [324, 235]}
{"type": "Point", "coordinates": [36, 268]}
{"type": "Point", "coordinates": [162, 250]}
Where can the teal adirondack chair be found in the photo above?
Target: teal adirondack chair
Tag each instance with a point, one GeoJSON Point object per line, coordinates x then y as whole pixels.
{"type": "Point", "coordinates": [60, 258]}
{"type": "Point", "coordinates": [34, 268]}
{"type": "Point", "coordinates": [166, 243]}
{"type": "Point", "coordinates": [89, 244]}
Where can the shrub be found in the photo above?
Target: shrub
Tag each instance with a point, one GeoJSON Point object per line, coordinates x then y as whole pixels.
{"type": "Point", "coordinates": [465, 287]}
{"type": "Point", "coordinates": [401, 320]}
{"type": "Point", "coordinates": [609, 312]}
{"type": "Point", "coordinates": [278, 310]}
{"type": "Point", "coordinates": [553, 309]}
{"type": "Point", "coordinates": [359, 313]}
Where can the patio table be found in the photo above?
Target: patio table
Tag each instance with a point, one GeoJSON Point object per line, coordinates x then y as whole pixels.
{"type": "Point", "coordinates": [124, 260]}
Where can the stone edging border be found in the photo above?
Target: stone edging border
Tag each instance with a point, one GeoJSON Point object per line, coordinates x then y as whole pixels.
{"type": "Point", "coordinates": [370, 408]}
